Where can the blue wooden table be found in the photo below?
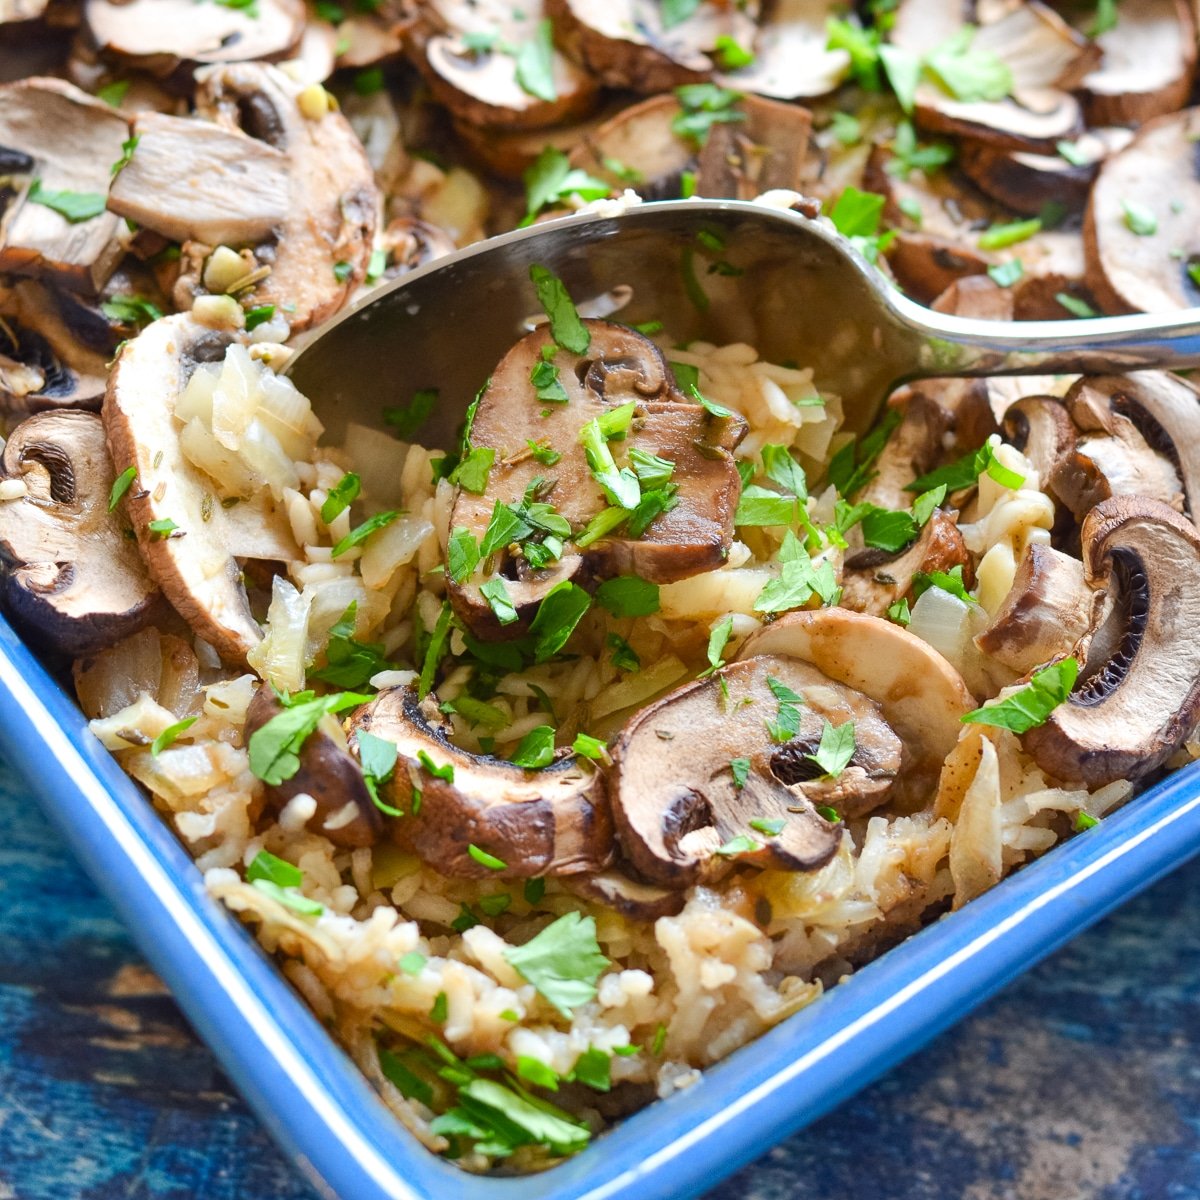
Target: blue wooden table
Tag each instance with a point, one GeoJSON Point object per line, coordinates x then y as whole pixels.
{"type": "Point", "coordinates": [1081, 1082]}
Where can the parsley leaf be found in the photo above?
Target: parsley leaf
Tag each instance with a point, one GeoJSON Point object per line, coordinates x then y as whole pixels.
{"type": "Point", "coordinates": [771, 826]}
{"type": "Point", "coordinates": [628, 596]}
{"type": "Point", "coordinates": [341, 496]}
{"type": "Point", "coordinates": [473, 471]}
{"type": "Point", "coordinates": [717, 641]}
{"type": "Point", "coordinates": [278, 871]}
{"type": "Point", "coordinates": [1000, 237]}
{"type": "Point", "coordinates": [740, 767]}
{"type": "Point", "coordinates": [462, 554]}
{"type": "Point", "coordinates": [535, 64]}
{"type": "Point", "coordinates": [1032, 705]}
{"type": "Point", "coordinates": [967, 74]}
{"type": "Point", "coordinates": [127, 149]}
{"type": "Point", "coordinates": [120, 486]}
{"type": "Point", "coordinates": [434, 651]}
{"type": "Point", "coordinates": [377, 757]}
{"type": "Point", "coordinates": [738, 845]}
{"type": "Point", "coordinates": [406, 419]}
{"type": "Point", "coordinates": [565, 326]}
{"type": "Point", "coordinates": [835, 750]}
{"type": "Point", "coordinates": [949, 581]}
{"type": "Point", "coordinates": [131, 309]}
{"type": "Point", "coordinates": [624, 657]}
{"type": "Point", "coordinates": [563, 962]}
{"type": "Point", "coordinates": [551, 179]}
{"type": "Point", "coordinates": [535, 750]}
{"type": "Point", "coordinates": [360, 533]}
{"type": "Point", "coordinates": [561, 609]}
{"type": "Point", "coordinates": [275, 747]}
{"type": "Point", "coordinates": [168, 735]}
{"type": "Point", "coordinates": [787, 721]}
{"type": "Point", "coordinates": [703, 105]}
{"type": "Point", "coordinates": [1139, 219]}
{"type": "Point", "coordinates": [350, 663]}
{"type": "Point", "coordinates": [74, 206]}
{"type": "Point", "coordinates": [484, 859]}
{"type": "Point", "coordinates": [965, 472]}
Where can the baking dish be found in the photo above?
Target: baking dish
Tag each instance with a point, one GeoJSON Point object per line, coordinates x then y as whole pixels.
{"type": "Point", "coordinates": [335, 1131]}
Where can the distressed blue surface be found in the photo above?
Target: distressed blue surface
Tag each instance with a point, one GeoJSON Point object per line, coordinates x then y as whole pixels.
{"type": "Point", "coordinates": [1082, 1080]}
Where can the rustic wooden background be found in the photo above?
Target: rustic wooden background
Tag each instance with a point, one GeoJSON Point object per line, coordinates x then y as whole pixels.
{"type": "Point", "coordinates": [1081, 1082]}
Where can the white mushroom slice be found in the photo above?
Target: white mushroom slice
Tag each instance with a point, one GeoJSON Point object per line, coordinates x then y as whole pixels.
{"type": "Point", "coordinates": [56, 138]}
{"type": "Point", "coordinates": [625, 43]}
{"type": "Point", "coordinates": [321, 251]}
{"type": "Point", "coordinates": [1147, 270]}
{"type": "Point", "coordinates": [1138, 693]}
{"type": "Point", "coordinates": [70, 577]}
{"type": "Point", "coordinates": [792, 59]}
{"type": "Point", "coordinates": [921, 694]}
{"type": "Point", "coordinates": [1045, 56]}
{"type": "Point", "coordinates": [193, 180]}
{"type": "Point", "coordinates": [481, 86]}
{"type": "Point", "coordinates": [13, 12]}
{"type": "Point", "coordinates": [158, 36]}
{"type": "Point", "coordinates": [1146, 72]}
{"type": "Point", "coordinates": [44, 360]}
{"type": "Point", "coordinates": [197, 564]}
{"type": "Point", "coordinates": [1048, 609]}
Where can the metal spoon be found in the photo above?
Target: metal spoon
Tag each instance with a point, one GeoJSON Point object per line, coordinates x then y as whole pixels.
{"type": "Point", "coordinates": [723, 270]}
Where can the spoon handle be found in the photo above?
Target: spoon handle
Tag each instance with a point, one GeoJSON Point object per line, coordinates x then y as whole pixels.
{"type": "Point", "coordinates": [962, 346]}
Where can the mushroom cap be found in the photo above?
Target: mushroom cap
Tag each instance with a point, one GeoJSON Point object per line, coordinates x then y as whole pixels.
{"type": "Point", "coordinates": [1138, 693]}
{"type": "Point", "coordinates": [158, 35]}
{"type": "Point", "coordinates": [332, 199]}
{"type": "Point", "coordinates": [619, 366]}
{"type": "Point", "coordinates": [1129, 272]}
{"type": "Point", "coordinates": [792, 58]}
{"type": "Point", "coordinates": [1146, 70]}
{"type": "Point", "coordinates": [676, 802]}
{"type": "Point", "coordinates": [1041, 428]}
{"type": "Point", "coordinates": [198, 565]}
{"type": "Point", "coordinates": [1044, 54]}
{"type": "Point", "coordinates": [921, 695]}
{"type": "Point", "coordinates": [67, 140]}
{"type": "Point", "coordinates": [481, 88]}
{"type": "Point", "coordinates": [44, 362]}
{"type": "Point", "coordinates": [70, 577]}
{"type": "Point", "coordinates": [328, 773]}
{"type": "Point", "coordinates": [550, 822]}
{"type": "Point", "coordinates": [193, 180]}
{"type": "Point", "coordinates": [1048, 609]}
{"type": "Point", "coordinates": [1027, 182]}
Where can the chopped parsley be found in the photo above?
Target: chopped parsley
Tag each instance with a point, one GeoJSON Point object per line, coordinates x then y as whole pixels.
{"type": "Point", "coordinates": [1010, 233]}
{"type": "Point", "coordinates": [275, 747]}
{"type": "Point", "coordinates": [162, 527]}
{"type": "Point", "coordinates": [730, 54]}
{"type": "Point", "coordinates": [443, 771]}
{"type": "Point", "coordinates": [412, 963]}
{"type": "Point", "coordinates": [1031, 705]}
{"type": "Point", "coordinates": [168, 735]}
{"type": "Point", "coordinates": [565, 326]}
{"type": "Point", "coordinates": [350, 663]}
{"type": "Point", "coordinates": [377, 757]}
{"type": "Point", "coordinates": [1007, 273]}
{"type": "Point", "coordinates": [969, 74]}
{"type": "Point", "coordinates": [787, 720]}
{"type": "Point", "coordinates": [484, 859]}
{"type": "Point", "coordinates": [717, 641]}
{"type": "Point", "coordinates": [551, 179]}
{"type": "Point", "coordinates": [799, 580]}
{"type": "Point", "coordinates": [542, 452]}
{"type": "Point", "coordinates": [259, 315]}
{"type": "Point", "coordinates": [909, 155]}
{"type": "Point", "coordinates": [701, 106]}
{"type": "Point", "coordinates": [341, 496]}
{"type": "Point", "coordinates": [535, 64]}
{"type": "Point", "coordinates": [740, 769]}
{"type": "Point", "coordinates": [835, 750]}
{"type": "Point", "coordinates": [965, 472]}
{"type": "Point", "coordinates": [900, 613]}
{"type": "Point", "coordinates": [472, 472]}
{"type": "Point", "coordinates": [563, 962]}
{"type": "Point", "coordinates": [949, 581]}
{"type": "Point", "coordinates": [628, 596]}
{"type": "Point", "coordinates": [1081, 308]}
{"type": "Point", "coordinates": [435, 650]}
{"type": "Point", "coordinates": [561, 609]}
{"type": "Point", "coordinates": [120, 486]}
{"type": "Point", "coordinates": [546, 383]}
{"type": "Point", "coordinates": [131, 309]}
{"type": "Point", "coordinates": [621, 486]}
{"type": "Point", "coordinates": [589, 747]}
{"type": "Point", "coordinates": [742, 844]}
{"type": "Point", "coordinates": [624, 657]}
{"type": "Point", "coordinates": [1139, 219]}
{"type": "Point", "coordinates": [360, 533]}
{"type": "Point", "coordinates": [1084, 821]}
{"type": "Point", "coordinates": [278, 871]}
{"type": "Point", "coordinates": [406, 419]}
{"type": "Point", "coordinates": [127, 149]}
{"type": "Point", "coordinates": [535, 750]}
{"type": "Point", "coordinates": [73, 206]}
{"type": "Point", "coordinates": [462, 554]}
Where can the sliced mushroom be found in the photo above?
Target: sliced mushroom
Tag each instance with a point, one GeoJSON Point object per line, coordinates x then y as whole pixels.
{"type": "Point", "coordinates": [69, 576]}
{"type": "Point", "coordinates": [678, 805]}
{"type": "Point", "coordinates": [1041, 428]}
{"type": "Point", "coordinates": [44, 362]}
{"type": "Point", "coordinates": [1147, 271]}
{"type": "Point", "coordinates": [57, 138]}
{"type": "Point", "coordinates": [193, 180]}
{"type": "Point", "coordinates": [873, 580]}
{"type": "Point", "coordinates": [320, 252]}
{"type": "Point", "coordinates": [1138, 693]}
{"type": "Point", "coordinates": [1146, 71]}
{"type": "Point", "coordinates": [196, 564]}
{"type": "Point", "coordinates": [765, 152]}
{"type": "Point", "coordinates": [630, 897]}
{"type": "Point", "coordinates": [620, 366]}
{"type": "Point", "coordinates": [482, 86]}
{"type": "Point", "coordinates": [410, 243]}
{"type": "Point", "coordinates": [1045, 56]}
{"type": "Point", "coordinates": [549, 822]}
{"type": "Point", "coordinates": [345, 812]}
{"type": "Point", "coordinates": [1054, 266]}
{"type": "Point", "coordinates": [1127, 447]}
{"type": "Point", "coordinates": [913, 449]}
{"type": "Point", "coordinates": [1048, 610]}
{"type": "Point", "coordinates": [792, 58]}
{"type": "Point", "coordinates": [625, 43]}
{"type": "Point", "coordinates": [160, 36]}
{"type": "Point", "coordinates": [921, 695]}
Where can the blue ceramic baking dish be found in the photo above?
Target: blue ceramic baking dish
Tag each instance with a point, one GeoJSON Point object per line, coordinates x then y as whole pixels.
{"type": "Point", "coordinates": [344, 1141]}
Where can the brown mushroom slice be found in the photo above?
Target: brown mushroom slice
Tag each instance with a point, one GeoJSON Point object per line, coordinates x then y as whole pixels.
{"type": "Point", "coordinates": [1125, 449]}
{"type": "Point", "coordinates": [1040, 427]}
{"type": "Point", "coordinates": [873, 580]}
{"type": "Point", "coordinates": [1146, 71]}
{"type": "Point", "coordinates": [1048, 609]}
{"type": "Point", "coordinates": [912, 450]}
{"type": "Point", "coordinates": [63, 140]}
{"type": "Point", "coordinates": [193, 180]}
{"type": "Point", "coordinates": [549, 822]}
{"type": "Point", "coordinates": [1045, 56]}
{"type": "Point", "coordinates": [620, 366]}
{"type": "Point", "coordinates": [159, 36]}
{"type": "Point", "coordinates": [765, 152]}
{"type": "Point", "coordinates": [345, 812]}
{"type": "Point", "coordinates": [921, 695]}
{"type": "Point", "coordinates": [45, 362]}
{"type": "Point", "coordinates": [678, 806]}
{"type": "Point", "coordinates": [69, 577]}
{"type": "Point", "coordinates": [468, 54]}
{"type": "Point", "coordinates": [792, 58]}
{"type": "Point", "coordinates": [1157, 171]}
{"type": "Point", "coordinates": [197, 564]}
{"type": "Point", "coordinates": [625, 43]}
{"type": "Point", "coordinates": [332, 197]}
{"type": "Point", "coordinates": [1138, 693]}
{"type": "Point", "coordinates": [410, 243]}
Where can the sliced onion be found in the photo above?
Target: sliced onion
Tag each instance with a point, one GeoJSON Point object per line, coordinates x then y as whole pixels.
{"type": "Point", "coordinates": [230, 474]}
{"type": "Point", "coordinates": [378, 461]}
{"type": "Point", "coordinates": [288, 415]}
{"type": "Point", "coordinates": [196, 399]}
{"type": "Point", "coordinates": [280, 657]}
{"type": "Point", "coordinates": [261, 450]}
{"type": "Point", "coordinates": [391, 548]}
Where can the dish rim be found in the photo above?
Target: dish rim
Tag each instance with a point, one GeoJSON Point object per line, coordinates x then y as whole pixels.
{"type": "Point", "coordinates": [335, 1129]}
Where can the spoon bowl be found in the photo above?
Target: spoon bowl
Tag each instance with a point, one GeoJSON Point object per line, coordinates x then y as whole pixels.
{"type": "Point", "coordinates": [721, 270]}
